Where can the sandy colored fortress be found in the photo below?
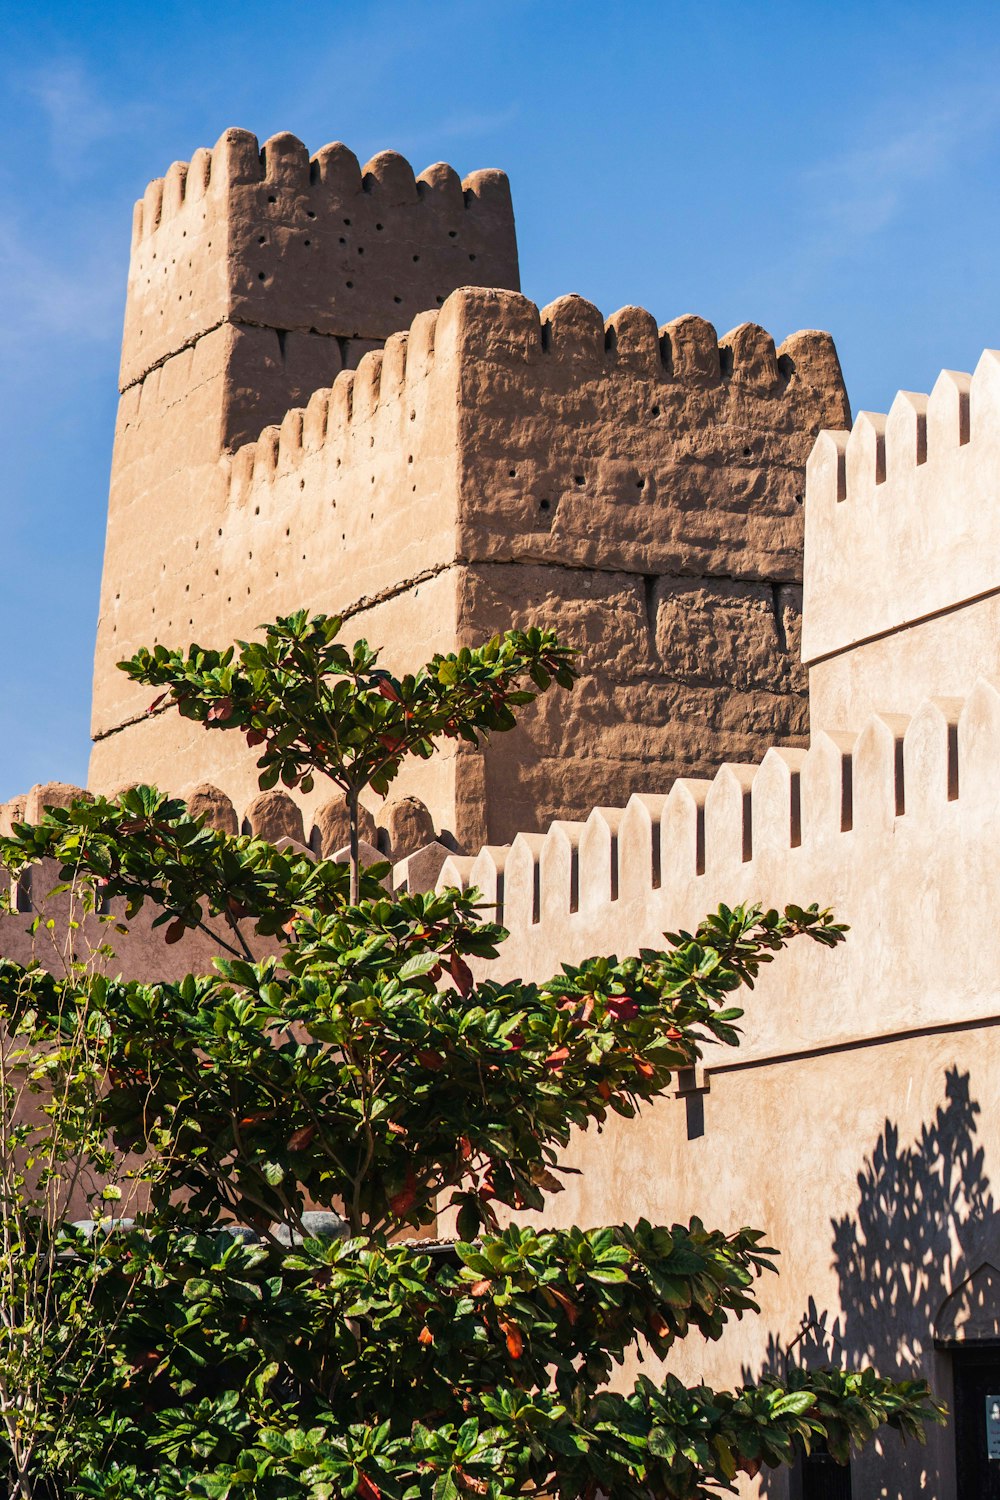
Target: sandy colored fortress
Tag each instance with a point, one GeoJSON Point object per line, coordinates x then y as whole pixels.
{"type": "Point", "coordinates": [333, 394]}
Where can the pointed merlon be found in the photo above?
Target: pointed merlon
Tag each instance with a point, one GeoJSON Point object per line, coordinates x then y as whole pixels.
{"type": "Point", "coordinates": [900, 519]}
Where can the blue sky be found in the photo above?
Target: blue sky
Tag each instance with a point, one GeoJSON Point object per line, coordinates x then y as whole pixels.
{"type": "Point", "coordinates": [800, 165]}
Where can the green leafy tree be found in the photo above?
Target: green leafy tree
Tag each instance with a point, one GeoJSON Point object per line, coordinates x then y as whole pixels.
{"type": "Point", "coordinates": [58, 1358]}
{"type": "Point", "coordinates": [342, 1056]}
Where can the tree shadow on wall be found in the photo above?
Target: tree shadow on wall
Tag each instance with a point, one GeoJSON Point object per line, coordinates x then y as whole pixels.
{"type": "Point", "coordinates": [925, 1221]}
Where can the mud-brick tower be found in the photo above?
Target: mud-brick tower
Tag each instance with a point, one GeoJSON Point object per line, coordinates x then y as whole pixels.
{"type": "Point", "coordinates": [282, 441]}
{"type": "Point", "coordinates": [256, 276]}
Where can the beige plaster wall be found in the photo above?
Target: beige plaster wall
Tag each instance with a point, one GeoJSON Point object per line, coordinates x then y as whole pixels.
{"type": "Point", "coordinates": [895, 828]}
{"type": "Point", "coordinates": [854, 1124]}
{"type": "Point", "coordinates": [871, 1169]}
{"type": "Point", "coordinates": [902, 561]}
{"type": "Point", "coordinates": [940, 656]}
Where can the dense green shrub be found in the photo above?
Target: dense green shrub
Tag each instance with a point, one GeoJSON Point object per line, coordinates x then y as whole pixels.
{"type": "Point", "coordinates": [341, 1056]}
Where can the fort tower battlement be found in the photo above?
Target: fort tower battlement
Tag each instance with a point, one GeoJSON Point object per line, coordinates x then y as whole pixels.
{"type": "Point", "coordinates": [271, 238]}
{"type": "Point", "coordinates": [639, 486]}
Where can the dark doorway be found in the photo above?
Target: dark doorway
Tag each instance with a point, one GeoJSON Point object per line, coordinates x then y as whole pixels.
{"type": "Point", "coordinates": [977, 1377]}
{"type": "Point", "coordinates": [819, 1477]}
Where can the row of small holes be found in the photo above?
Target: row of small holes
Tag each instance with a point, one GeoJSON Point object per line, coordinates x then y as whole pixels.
{"type": "Point", "coordinates": [288, 532]}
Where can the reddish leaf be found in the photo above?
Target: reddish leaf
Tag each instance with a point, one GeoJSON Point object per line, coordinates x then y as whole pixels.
{"type": "Point", "coordinates": [156, 702]}
{"type": "Point", "coordinates": [387, 690]}
{"type": "Point", "coordinates": [144, 1361]}
{"type": "Point", "coordinates": [568, 1307]}
{"type": "Point", "coordinates": [425, 1336]}
{"type": "Point", "coordinates": [433, 1061]}
{"type": "Point", "coordinates": [465, 1147]}
{"type": "Point", "coordinates": [395, 1129]}
{"type": "Point", "coordinates": [301, 1138]}
{"type": "Point", "coordinates": [255, 737]}
{"type": "Point", "coordinates": [543, 1178]}
{"type": "Point", "coordinates": [401, 1202]}
{"type": "Point", "coordinates": [623, 1008]}
{"type": "Point", "coordinates": [749, 1466]}
{"type": "Point", "coordinates": [604, 1089]}
{"type": "Point", "coordinates": [220, 712]}
{"type": "Point", "coordinates": [461, 973]}
{"type": "Point", "coordinates": [556, 1059]}
{"type": "Point", "coordinates": [514, 1337]}
{"type": "Point", "coordinates": [368, 1489]}
{"type": "Point", "coordinates": [479, 1288]}
{"type": "Point", "coordinates": [643, 1066]}
{"type": "Point", "coordinates": [515, 1041]}
{"type": "Point", "coordinates": [175, 931]}
{"type": "Point", "coordinates": [390, 743]}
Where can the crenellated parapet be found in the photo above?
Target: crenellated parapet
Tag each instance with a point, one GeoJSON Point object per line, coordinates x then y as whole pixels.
{"type": "Point", "coordinates": [605, 442]}
{"type": "Point", "coordinates": [856, 822]}
{"type": "Point", "coordinates": [399, 832]}
{"type": "Point", "coordinates": [902, 564]}
{"type": "Point", "coordinates": [398, 828]}
{"type": "Point", "coordinates": [540, 400]}
{"type": "Point", "coordinates": [271, 237]}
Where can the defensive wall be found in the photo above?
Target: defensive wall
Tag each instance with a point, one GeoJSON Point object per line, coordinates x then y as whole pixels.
{"type": "Point", "coordinates": [641, 487]}
{"type": "Point", "coordinates": [902, 578]}
{"type": "Point", "coordinates": [896, 827]}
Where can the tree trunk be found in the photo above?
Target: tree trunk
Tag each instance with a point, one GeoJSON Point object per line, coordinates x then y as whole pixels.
{"type": "Point", "coordinates": [352, 814]}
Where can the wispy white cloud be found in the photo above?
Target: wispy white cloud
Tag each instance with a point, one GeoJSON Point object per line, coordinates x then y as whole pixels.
{"type": "Point", "coordinates": [77, 114]}
{"type": "Point", "coordinates": [456, 128]}
{"type": "Point", "coordinates": [857, 194]}
{"type": "Point", "coordinates": [75, 296]}
{"type": "Point", "coordinates": [67, 284]}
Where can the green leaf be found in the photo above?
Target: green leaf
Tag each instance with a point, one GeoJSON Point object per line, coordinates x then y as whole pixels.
{"type": "Point", "coordinates": [419, 964]}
